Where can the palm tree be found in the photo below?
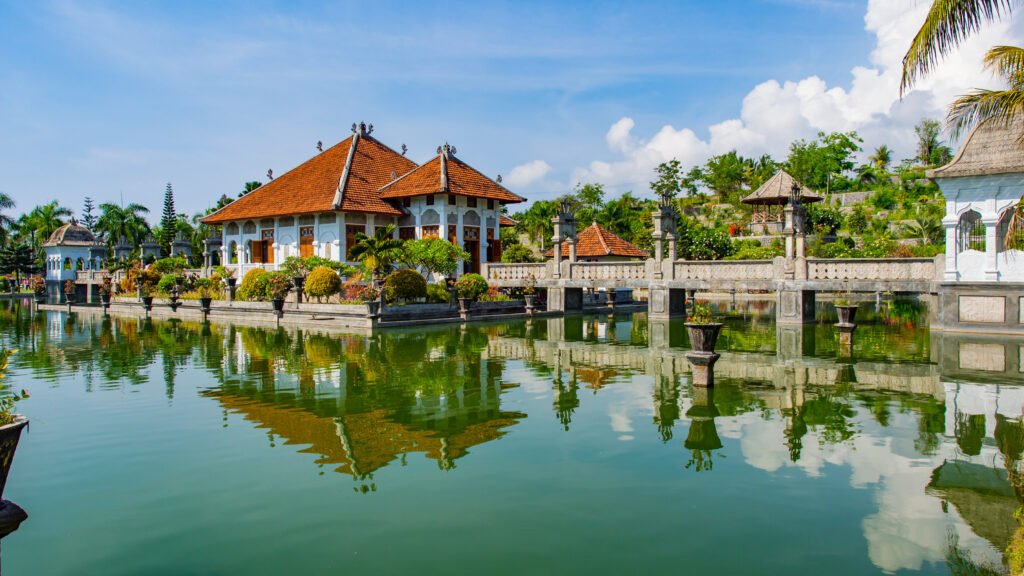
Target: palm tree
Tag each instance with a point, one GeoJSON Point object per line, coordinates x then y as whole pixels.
{"type": "Point", "coordinates": [881, 158]}
{"type": "Point", "coordinates": [1000, 106]}
{"type": "Point", "coordinates": [40, 223]}
{"type": "Point", "coordinates": [249, 187]}
{"type": "Point", "coordinates": [377, 252]}
{"type": "Point", "coordinates": [126, 222]}
{"type": "Point", "coordinates": [6, 222]}
{"type": "Point", "coordinates": [928, 228]}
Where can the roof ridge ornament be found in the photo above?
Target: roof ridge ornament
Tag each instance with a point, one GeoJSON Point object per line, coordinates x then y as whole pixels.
{"type": "Point", "coordinates": [270, 174]}
{"type": "Point", "coordinates": [319, 145]}
{"type": "Point", "coordinates": [447, 150]}
{"type": "Point", "coordinates": [404, 149]}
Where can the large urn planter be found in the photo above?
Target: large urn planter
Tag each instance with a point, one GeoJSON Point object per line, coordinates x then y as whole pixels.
{"type": "Point", "coordinates": [105, 302]}
{"type": "Point", "coordinates": [10, 434]}
{"type": "Point", "coordinates": [847, 313]}
{"type": "Point", "coordinates": [204, 305]}
{"type": "Point", "coordinates": [69, 299]}
{"type": "Point", "coordinates": [372, 308]}
{"type": "Point", "coordinates": [231, 287]}
{"type": "Point", "coordinates": [847, 324]}
{"type": "Point", "coordinates": [298, 282]}
{"type": "Point", "coordinates": [173, 303]}
{"type": "Point", "coordinates": [147, 303]}
{"type": "Point", "coordinates": [464, 307]}
{"type": "Point", "coordinates": [702, 357]}
{"type": "Point", "coordinates": [531, 303]}
{"type": "Point", "coordinates": [278, 304]}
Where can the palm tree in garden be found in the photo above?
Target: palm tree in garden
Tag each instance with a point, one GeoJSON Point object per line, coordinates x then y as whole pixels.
{"type": "Point", "coordinates": [881, 158]}
{"type": "Point", "coordinates": [6, 222]}
{"type": "Point", "coordinates": [126, 222]}
{"type": "Point", "coordinates": [377, 252]}
{"type": "Point", "coordinates": [948, 23]}
{"type": "Point", "coordinates": [42, 221]}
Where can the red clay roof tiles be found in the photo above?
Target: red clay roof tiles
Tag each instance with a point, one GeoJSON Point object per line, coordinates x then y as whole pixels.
{"type": "Point", "coordinates": [463, 180]}
{"type": "Point", "coordinates": [596, 241]}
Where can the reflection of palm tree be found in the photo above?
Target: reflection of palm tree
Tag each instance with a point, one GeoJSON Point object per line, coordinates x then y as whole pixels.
{"type": "Point", "coordinates": [969, 430]}
{"type": "Point", "coordinates": [566, 401]}
{"type": "Point", "coordinates": [1009, 436]}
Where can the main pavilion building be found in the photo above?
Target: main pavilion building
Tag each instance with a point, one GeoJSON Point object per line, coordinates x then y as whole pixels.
{"type": "Point", "coordinates": [359, 186]}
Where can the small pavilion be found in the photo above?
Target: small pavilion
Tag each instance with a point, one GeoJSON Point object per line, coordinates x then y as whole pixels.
{"type": "Point", "coordinates": [982, 186]}
{"type": "Point", "coordinates": [72, 248]}
{"type": "Point", "coordinates": [770, 199]}
{"type": "Point", "coordinates": [598, 244]}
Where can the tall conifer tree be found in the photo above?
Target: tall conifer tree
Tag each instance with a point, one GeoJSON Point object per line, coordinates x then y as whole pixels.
{"type": "Point", "coordinates": [88, 218]}
{"type": "Point", "coordinates": [168, 222]}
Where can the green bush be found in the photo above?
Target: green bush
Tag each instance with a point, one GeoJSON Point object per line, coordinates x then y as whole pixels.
{"type": "Point", "coordinates": [5, 284]}
{"type": "Point", "coordinates": [166, 283]}
{"type": "Point", "coordinates": [824, 219]}
{"type": "Point", "coordinates": [170, 265]}
{"type": "Point", "coordinates": [254, 285]}
{"type": "Point", "coordinates": [838, 249]}
{"type": "Point", "coordinates": [884, 199]}
{"type": "Point", "coordinates": [471, 286]}
{"type": "Point", "coordinates": [516, 254]}
{"type": "Point", "coordinates": [322, 282]}
{"type": "Point", "coordinates": [857, 220]}
{"type": "Point", "coordinates": [438, 293]}
{"type": "Point", "coordinates": [405, 284]}
{"type": "Point", "coordinates": [752, 250]}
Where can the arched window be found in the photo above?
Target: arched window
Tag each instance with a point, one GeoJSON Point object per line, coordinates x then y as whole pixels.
{"type": "Point", "coordinates": [249, 228]}
{"type": "Point", "coordinates": [67, 263]}
{"type": "Point", "coordinates": [1004, 230]}
{"type": "Point", "coordinates": [79, 264]}
{"type": "Point", "coordinates": [970, 232]}
{"type": "Point", "coordinates": [233, 228]}
{"type": "Point", "coordinates": [233, 253]}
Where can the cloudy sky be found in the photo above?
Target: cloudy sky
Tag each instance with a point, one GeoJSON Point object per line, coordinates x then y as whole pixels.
{"type": "Point", "coordinates": [114, 100]}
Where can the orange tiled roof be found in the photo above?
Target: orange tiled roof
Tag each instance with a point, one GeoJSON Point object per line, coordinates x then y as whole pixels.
{"type": "Point", "coordinates": [505, 221]}
{"type": "Point", "coordinates": [311, 186]}
{"type": "Point", "coordinates": [446, 174]}
{"type": "Point", "coordinates": [596, 241]}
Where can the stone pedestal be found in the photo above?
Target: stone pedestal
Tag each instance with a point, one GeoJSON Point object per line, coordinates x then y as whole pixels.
{"type": "Point", "coordinates": [794, 306]}
{"type": "Point", "coordinates": [846, 339]}
{"type": "Point", "coordinates": [565, 299]}
{"type": "Point", "coordinates": [703, 367]}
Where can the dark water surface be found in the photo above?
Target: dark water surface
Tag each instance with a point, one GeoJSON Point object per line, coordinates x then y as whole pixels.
{"type": "Point", "coordinates": [561, 446]}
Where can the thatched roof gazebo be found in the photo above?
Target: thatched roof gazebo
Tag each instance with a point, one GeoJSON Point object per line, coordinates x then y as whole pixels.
{"type": "Point", "coordinates": [776, 191]}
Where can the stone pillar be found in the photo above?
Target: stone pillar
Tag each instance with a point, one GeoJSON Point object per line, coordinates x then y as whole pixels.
{"type": "Point", "coordinates": [991, 249]}
{"type": "Point", "coordinates": [572, 248]}
{"type": "Point", "coordinates": [563, 299]}
{"type": "Point", "coordinates": [665, 302]}
{"type": "Point", "coordinates": [794, 306]}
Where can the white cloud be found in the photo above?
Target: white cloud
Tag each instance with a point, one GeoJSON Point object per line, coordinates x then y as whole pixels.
{"type": "Point", "coordinates": [774, 113]}
{"type": "Point", "coordinates": [528, 173]}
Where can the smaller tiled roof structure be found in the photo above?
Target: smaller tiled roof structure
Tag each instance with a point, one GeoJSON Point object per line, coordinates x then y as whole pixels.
{"type": "Point", "coordinates": [993, 148]}
{"type": "Point", "coordinates": [596, 241]}
{"type": "Point", "coordinates": [446, 174]}
{"type": "Point", "coordinates": [71, 234]}
{"type": "Point", "coordinates": [506, 222]}
{"type": "Point", "coordinates": [346, 177]}
{"type": "Point", "coordinates": [775, 192]}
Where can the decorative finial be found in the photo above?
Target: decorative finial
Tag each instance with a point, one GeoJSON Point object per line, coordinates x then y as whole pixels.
{"type": "Point", "coordinates": [439, 148]}
{"type": "Point", "coordinates": [354, 128]}
{"type": "Point", "coordinates": [369, 130]}
{"type": "Point", "coordinates": [362, 128]}
{"type": "Point", "coordinates": [447, 149]}
{"type": "Point", "coordinates": [270, 174]}
{"type": "Point", "coordinates": [320, 145]}
{"type": "Point", "coordinates": [499, 179]}
{"type": "Point", "coordinates": [404, 149]}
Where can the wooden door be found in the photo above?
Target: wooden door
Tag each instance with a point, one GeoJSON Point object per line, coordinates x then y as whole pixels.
{"type": "Point", "coordinates": [306, 242]}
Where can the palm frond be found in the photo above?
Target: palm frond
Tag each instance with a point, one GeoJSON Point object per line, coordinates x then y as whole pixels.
{"type": "Point", "coordinates": [948, 23]}
{"type": "Point", "coordinates": [969, 110]}
{"type": "Point", "coordinates": [1006, 61]}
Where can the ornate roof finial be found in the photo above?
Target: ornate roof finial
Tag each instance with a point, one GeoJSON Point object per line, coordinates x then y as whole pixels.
{"type": "Point", "coordinates": [499, 179]}
{"type": "Point", "coordinates": [354, 128]}
{"type": "Point", "coordinates": [270, 174]}
{"type": "Point", "coordinates": [73, 221]}
{"type": "Point", "coordinates": [448, 150]}
{"type": "Point", "coordinates": [369, 130]}
{"type": "Point", "coordinates": [404, 149]}
{"type": "Point", "coordinates": [319, 145]}
{"type": "Point", "coordinates": [362, 128]}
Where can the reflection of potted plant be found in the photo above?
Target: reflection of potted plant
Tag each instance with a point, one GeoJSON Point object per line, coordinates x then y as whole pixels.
{"type": "Point", "coordinates": [11, 425]}
{"type": "Point", "coordinates": [69, 291]}
{"type": "Point", "coordinates": [38, 285]}
{"type": "Point", "coordinates": [702, 328]}
{"type": "Point", "coordinates": [530, 294]}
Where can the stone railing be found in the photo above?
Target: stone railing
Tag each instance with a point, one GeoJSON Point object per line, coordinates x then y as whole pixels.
{"type": "Point", "coordinates": [877, 269]}
{"type": "Point", "coordinates": [723, 270]}
{"type": "Point", "coordinates": [513, 272]}
{"type": "Point", "coordinates": [608, 271]}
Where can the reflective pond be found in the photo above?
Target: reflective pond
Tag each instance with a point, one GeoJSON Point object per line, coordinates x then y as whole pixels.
{"type": "Point", "coordinates": [572, 446]}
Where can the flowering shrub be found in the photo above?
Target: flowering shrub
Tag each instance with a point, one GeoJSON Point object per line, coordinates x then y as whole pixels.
{"type": "Point", "coordinates": [166, 284]}
{"type": "Point", "coordinates": [701, 313]}
{"type": "Point", "coordinates": [471, 286]}
{"type": "Point", "coordinates": [69, 288]}
{"type": "Point", "coordinates": [404, 285]}
{"type": "Point", "coordinates": [322, 282]}
{"type": "Point", "coordinates": [438, 293]}
{"type": "Point", "coordinates": [254, 285]}
{"type": "Point", "coordinates": [277, 286]}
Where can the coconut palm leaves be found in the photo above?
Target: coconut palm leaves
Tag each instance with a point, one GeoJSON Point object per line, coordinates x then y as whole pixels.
{"type": "Point", "coordinates": [377, 252]}
{"type": "Point", "coordinates": [126, 222]}
{"type": "Point", "coordinates": [948, 23]}
{"type": "Point", "coordinates": [1000, 106]}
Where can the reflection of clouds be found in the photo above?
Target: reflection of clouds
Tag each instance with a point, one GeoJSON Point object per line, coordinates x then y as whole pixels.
{"type": "Point", "coordinates": [909, 528]}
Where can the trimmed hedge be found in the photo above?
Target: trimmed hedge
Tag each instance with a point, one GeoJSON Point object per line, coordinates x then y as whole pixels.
{"type": "Point", "coordinates": [254, 285]}
{"type": "Point", "coordinates": [322, 282]}
{"type": "Point", "coordinates": [404, 285]}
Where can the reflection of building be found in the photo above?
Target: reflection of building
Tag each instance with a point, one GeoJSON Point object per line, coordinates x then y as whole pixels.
{"type": "Point", "coordinates": [361, 432]}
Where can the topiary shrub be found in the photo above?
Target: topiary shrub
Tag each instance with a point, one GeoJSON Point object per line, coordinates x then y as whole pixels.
{"type": "Point", "coordinates": [404, 285]}
{"type": "Point", "coordinates": [517, 254]}
{"type": "Point", "coordinates": [254, 285]}
{"type": "Point", "coordinates": [438, 293]}
{"type": "Point", "coordinates": [322, 282]}
{"type": "Point", "coordinates": [471, 286]}
{"type": "Point", "coordinates": [166, 283]}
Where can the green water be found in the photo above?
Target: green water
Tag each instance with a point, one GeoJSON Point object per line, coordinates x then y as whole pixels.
{"type": "Point", "coordinates": [561, 446]}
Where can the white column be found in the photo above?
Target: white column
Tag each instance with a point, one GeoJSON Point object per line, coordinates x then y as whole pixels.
{"type": "Point", "coordinates": [991, 265]}
{"type": "Point", "coordinates": [951, 272]}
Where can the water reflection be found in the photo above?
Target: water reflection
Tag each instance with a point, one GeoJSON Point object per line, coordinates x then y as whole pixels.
{"type": "Point", "coordinates": [931, 425]}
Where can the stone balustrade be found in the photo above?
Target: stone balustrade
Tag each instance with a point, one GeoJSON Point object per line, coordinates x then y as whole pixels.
{"type": "Point", "coordinates": [874, 269]}
{"type": "Point", "coordinates": [612, 271]}
{"type": "Point", "coordinates": [515, 272]}
{"type": "Point", "coordinates": [724, 270]}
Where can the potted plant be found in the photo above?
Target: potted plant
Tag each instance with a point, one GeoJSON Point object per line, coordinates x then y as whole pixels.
{"type": "Point", "coordinates": [38, 285]}
{"type": "Point", "coordinates": [228, 274]}
{"type": "Point", "coordinates": [146, 294]}
{"type": "Point", "coordinates": [845, 308]}
{"type": "Point", "coordinates": [530, 294]}
{"type": "Point", "coordinates": [206, 294]}
{"type": "Point", "coordinates": [702, 328]}
{"type": "Point", "coordinates": [278, 286]}
{"type": "Point", "coordinates": [469, 288]}
{"type": "Point", "coordinates": [297, 268]}
{"type": "Point", "coordinates": [173, 297]}
{"type": "Point", "coordinates": [11, 425]}
{"type": "Point", "coordinates": [371, 297]}
{"type": "Point", "coordinates": [105, 289]}
{"type": "Point", "coordinates": [69, 292]}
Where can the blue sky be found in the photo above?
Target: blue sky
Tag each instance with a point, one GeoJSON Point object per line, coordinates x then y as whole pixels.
{"type": "Point", "coordinates": [113, 100]}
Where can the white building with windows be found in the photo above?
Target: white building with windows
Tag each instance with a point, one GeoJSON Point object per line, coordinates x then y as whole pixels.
{"type": "Point", "coordinates": [982, 187]}
{"type": "Point", "coordinates": [70, 249]}
{"type": "Point", "coordinates": [358, 186]}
